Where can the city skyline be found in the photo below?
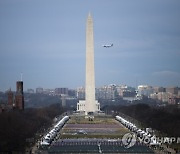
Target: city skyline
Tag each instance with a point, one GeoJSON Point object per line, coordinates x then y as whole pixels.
{"type": "Point", "coordinates": [46, 42]}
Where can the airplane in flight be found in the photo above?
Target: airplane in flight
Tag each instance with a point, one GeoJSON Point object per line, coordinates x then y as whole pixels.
{"type": "Point", "coordinates": [107, 45]}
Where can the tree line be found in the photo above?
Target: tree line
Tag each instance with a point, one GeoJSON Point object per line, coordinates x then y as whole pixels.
{"type": "Point", "coordinates": [164, 119]}
{"type": "Point", "coordinates": [18, 128]}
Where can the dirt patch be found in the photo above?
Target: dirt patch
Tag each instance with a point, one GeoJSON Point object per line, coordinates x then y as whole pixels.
{"type": "Point", "coordinates": [99, 128]}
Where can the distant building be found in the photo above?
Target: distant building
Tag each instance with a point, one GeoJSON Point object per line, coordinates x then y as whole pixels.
{"type": "Point", "coordinates": [2, 107]}
{"type": "Point", "coordinates": [72, 92]}
{"type": "Point", "coordinates": [158, 89]}
{"type": "Point", "coordinates": [165, 97]}
{"type": "Point", "coordinates": [126, 91]}
{"type": "Point", "coordinates": [31, 91]}
{"type": "Point", "coordinates": [172, 90]}
{"type": "Point", "coordinates": [60, 91]}
{"type": "Point", "coordinates": [106, 92]}
{"type": "Point", "coordinates": [16, 102]}
{"type": "Point", "coordinates": [19, 97]}
{"type": "Point", "coordinates": [63, 99]}
{"type": "Point", "coordinates": [48, 92]}
{"type": "Point", "coordinates": [39, 90]}
{"type": "Point", "coordinates": [129, 94]}
{"type": "Point", "coordinates": [161, 96]}
{"type": "Point", "coordinates": [145, 90]}
{"type": "Point", "coordinates": [81, 93]}
{"type": "Point", "coordinates": [174, 100]}
{"type": "Point", "coordinates": [10, 98]}
{"type": "Point", "coordinates": [154, 96]}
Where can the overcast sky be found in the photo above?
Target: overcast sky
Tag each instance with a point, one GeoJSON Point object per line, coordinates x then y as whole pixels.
{"type": "Point", "coordinates": [45, 40]}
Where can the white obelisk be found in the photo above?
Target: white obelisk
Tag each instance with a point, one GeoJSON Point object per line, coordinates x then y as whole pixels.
{"type": "Point", "coordinates": [90, 82]}
{"type": "Point", "coordinates": [90, 105]}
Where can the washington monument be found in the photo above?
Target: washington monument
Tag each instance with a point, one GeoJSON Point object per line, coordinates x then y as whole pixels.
{"type": "Point", "coordinates": [90, 104]}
